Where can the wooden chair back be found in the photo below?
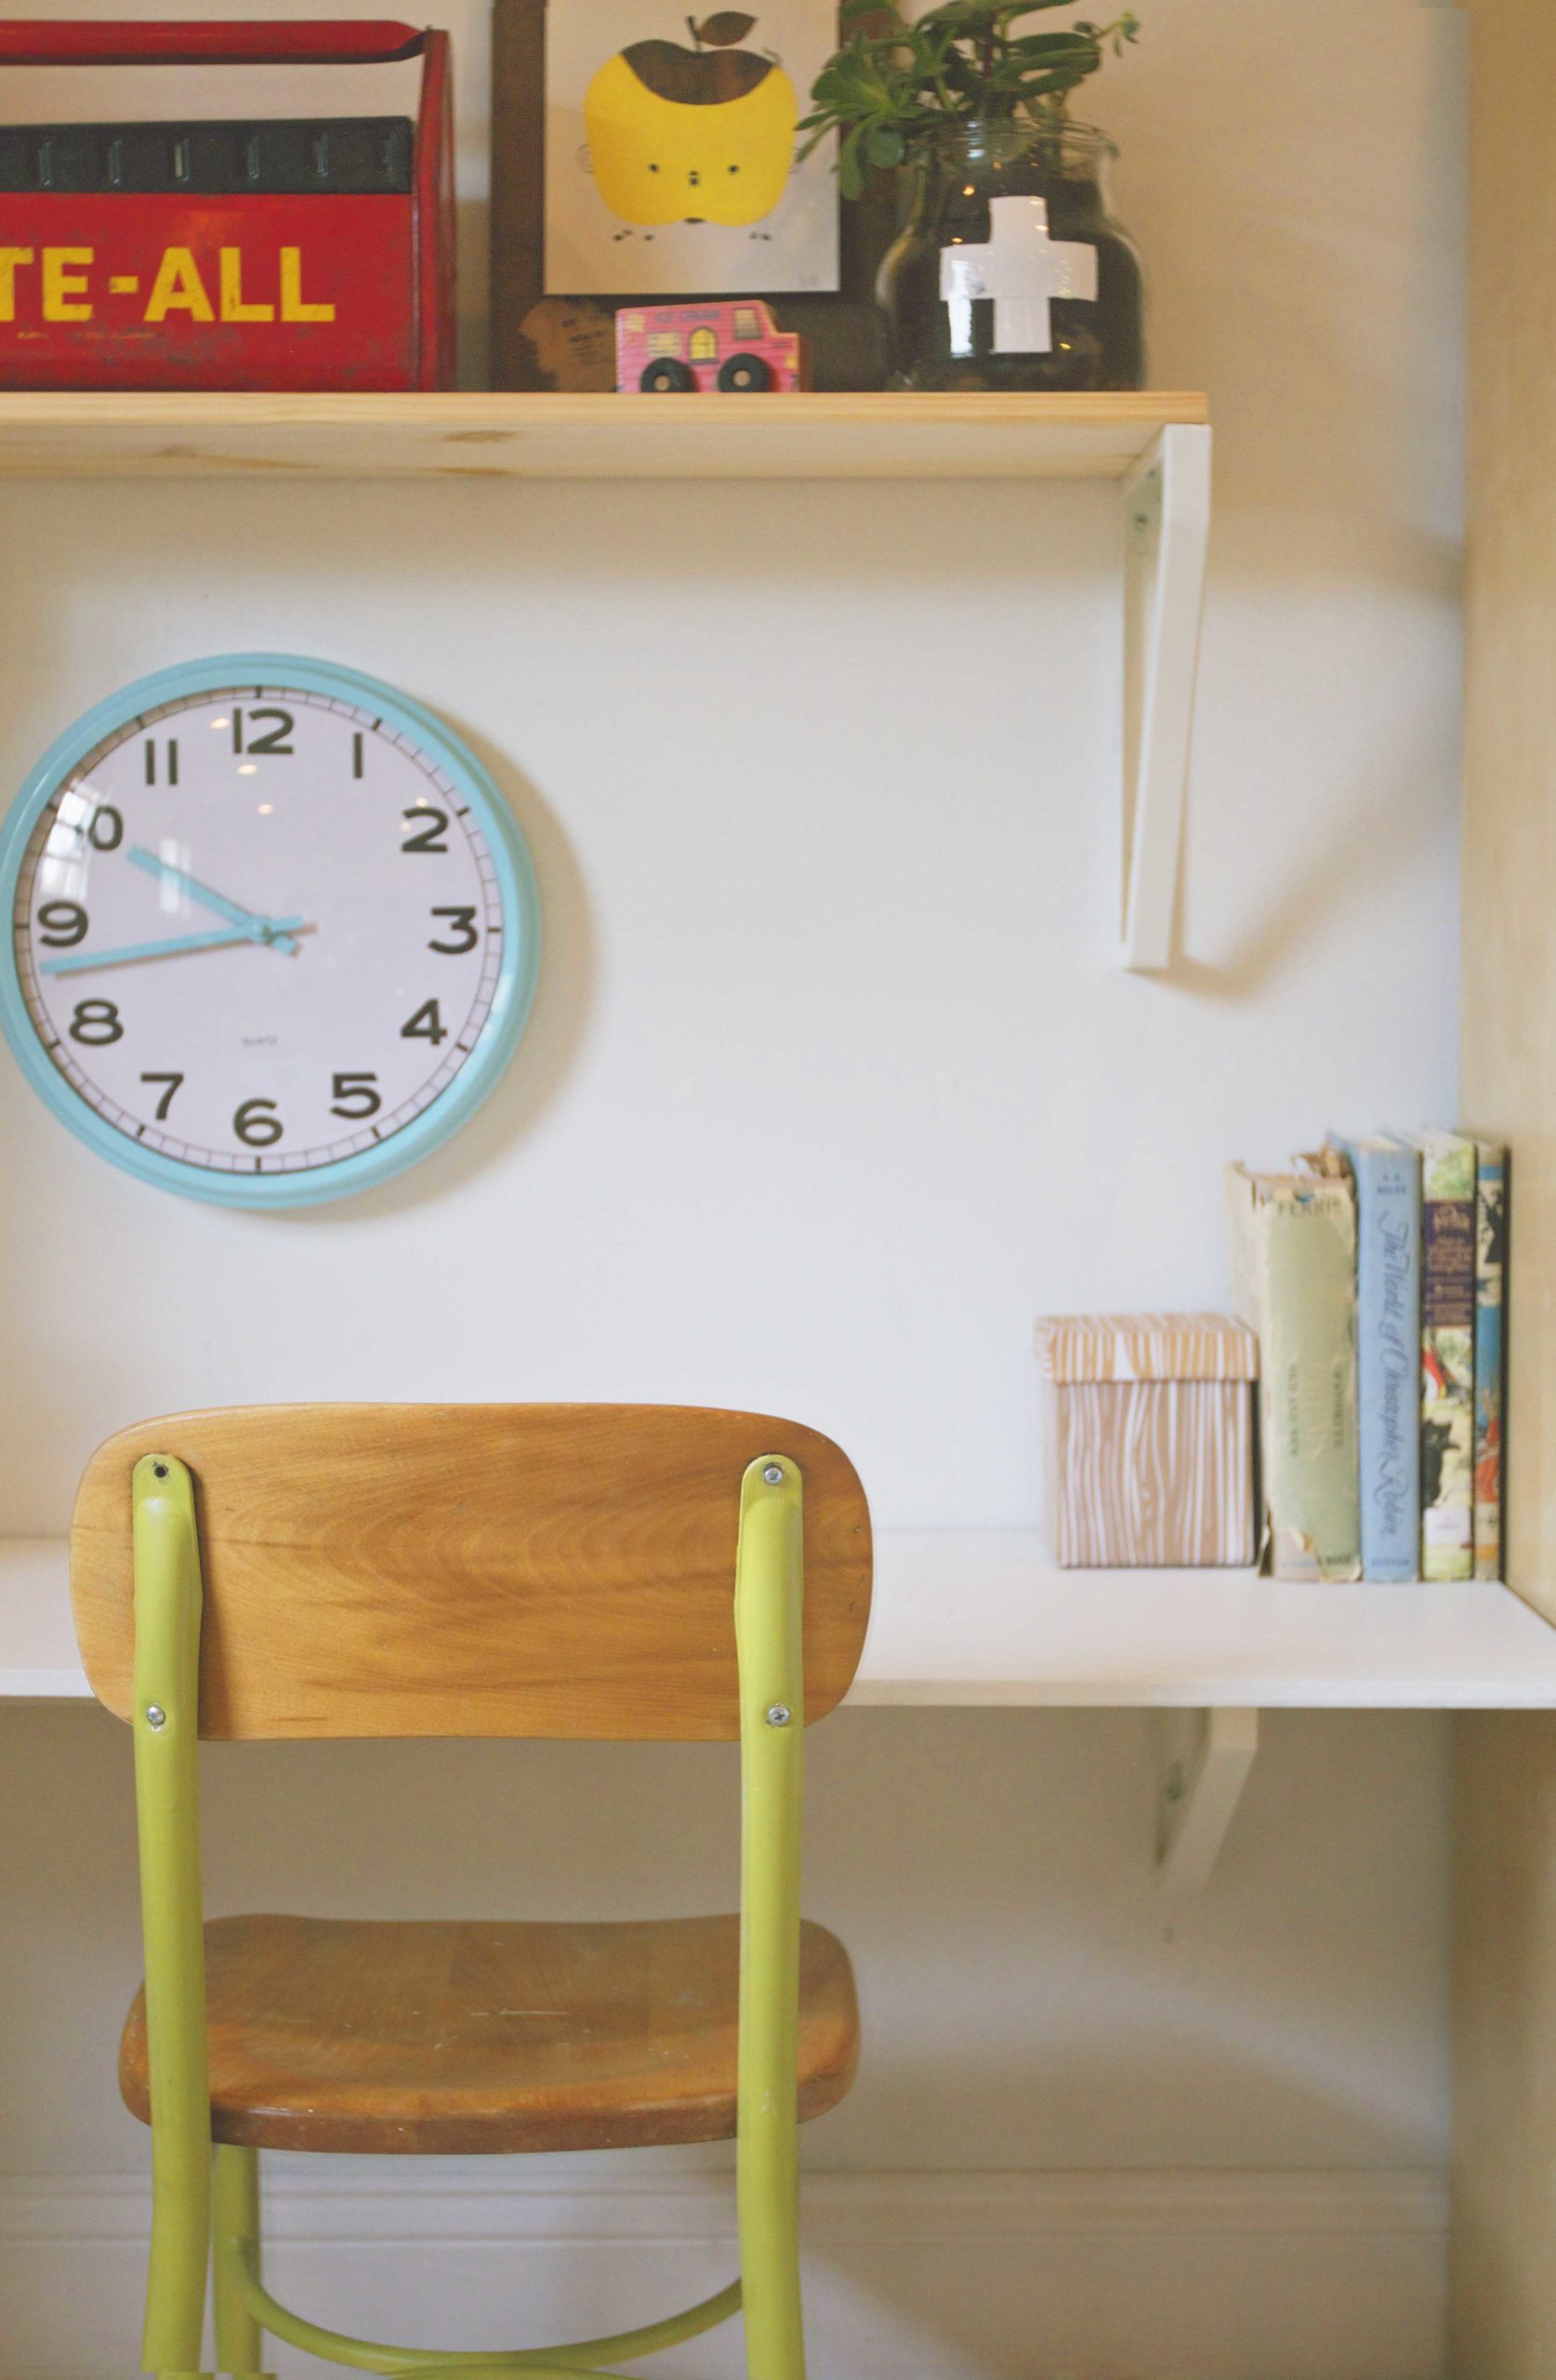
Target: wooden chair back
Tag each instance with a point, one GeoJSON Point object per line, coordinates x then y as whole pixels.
{"type": "Point", "coordinates": [564, 1570]}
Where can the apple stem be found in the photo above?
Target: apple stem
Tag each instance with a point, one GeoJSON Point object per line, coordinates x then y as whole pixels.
{"type": "Point", "coordinates": [695, 30]}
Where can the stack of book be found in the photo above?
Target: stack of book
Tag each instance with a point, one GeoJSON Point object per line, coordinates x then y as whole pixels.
{"type": "Point", "coordinates": [1372, 1273]}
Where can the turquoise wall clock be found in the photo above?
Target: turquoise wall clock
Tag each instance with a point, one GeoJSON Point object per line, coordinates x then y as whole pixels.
{"type": "Point", "coordinates": [275, 931]}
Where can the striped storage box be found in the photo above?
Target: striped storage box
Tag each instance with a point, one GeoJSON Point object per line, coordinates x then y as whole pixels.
{"type": "Point", "coordinates": [1152, 1447]}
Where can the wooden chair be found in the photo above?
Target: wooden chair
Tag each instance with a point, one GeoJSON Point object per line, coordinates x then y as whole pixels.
{"type": "Point", "coordinates": [617, 1571]}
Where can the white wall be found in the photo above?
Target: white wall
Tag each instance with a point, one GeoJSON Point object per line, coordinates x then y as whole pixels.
{"type": "Point", "coordinates": [830, 1088]}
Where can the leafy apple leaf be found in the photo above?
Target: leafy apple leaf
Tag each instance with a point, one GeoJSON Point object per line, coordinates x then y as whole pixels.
{"type": "Point", "coordinates": [723, 30]}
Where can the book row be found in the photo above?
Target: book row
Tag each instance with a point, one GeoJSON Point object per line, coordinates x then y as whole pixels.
{"type": "Point", "coordinates": [1372, 1276]}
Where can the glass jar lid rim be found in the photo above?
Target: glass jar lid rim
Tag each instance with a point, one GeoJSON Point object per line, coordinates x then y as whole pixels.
{"type": "Point", "coordinates": [972, 129]}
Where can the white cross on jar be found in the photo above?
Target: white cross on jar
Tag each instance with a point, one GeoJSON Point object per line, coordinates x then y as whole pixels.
{"type": "Point", "coordinates": [1022, 269]}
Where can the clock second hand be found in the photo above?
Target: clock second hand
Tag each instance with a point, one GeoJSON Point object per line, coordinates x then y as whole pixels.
{"type": "Point", "coordinates": [265, 930]}
{"type": "Point", "coordinates": [225, 938]}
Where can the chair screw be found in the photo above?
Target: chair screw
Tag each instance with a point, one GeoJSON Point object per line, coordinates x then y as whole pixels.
{"type": "Point", "coordinates": [156, 1717]}
{"type": "Point", "coordinates": [774, 1475]}
{"type": "Point", "coordinates": [779, 1715]}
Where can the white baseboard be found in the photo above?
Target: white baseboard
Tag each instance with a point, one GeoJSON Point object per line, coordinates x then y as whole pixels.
{"type": "Point", "coordinates": [1069, 2275]}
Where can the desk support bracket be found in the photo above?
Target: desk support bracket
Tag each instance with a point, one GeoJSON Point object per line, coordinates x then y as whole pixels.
{"type": "Point", "coordinates": [1166, 511]}
{"type": "Point", "coordinates": [1206, 1758]}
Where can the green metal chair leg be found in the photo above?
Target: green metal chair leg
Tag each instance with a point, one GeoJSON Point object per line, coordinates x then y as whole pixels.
{"type": "Point", "coordinates": [165, 1722]}
{"type": "Point", "coordinates": [234, 2236]}
{"type": "Point", "coordinates": [769, 1592]}
{"type": "Point", "coordinates": [770, 2258]}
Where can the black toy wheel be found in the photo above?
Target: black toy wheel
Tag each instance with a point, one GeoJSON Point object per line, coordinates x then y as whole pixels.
{"type": "Point", "coordinates": [745, 375]}
{"type": "Point", "coordinates": [666, 378]}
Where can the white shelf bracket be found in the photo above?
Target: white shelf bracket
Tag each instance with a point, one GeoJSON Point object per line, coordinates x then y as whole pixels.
{"type": "Point", "coordinates": [1166, 511]}
{"type": "Point", "coordinates": [1206, 1759]}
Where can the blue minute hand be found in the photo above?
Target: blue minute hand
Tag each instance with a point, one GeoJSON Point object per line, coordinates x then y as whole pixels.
{"type": "Point", "coordinates": [221, 938]}
{"type": "Point", "coordinates": [265, 930]}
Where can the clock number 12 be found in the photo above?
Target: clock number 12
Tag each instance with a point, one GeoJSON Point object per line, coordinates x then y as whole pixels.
{"type": "Point", "coordinates": [272, 743]}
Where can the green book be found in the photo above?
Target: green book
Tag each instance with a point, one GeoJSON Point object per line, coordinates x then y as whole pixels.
{"type": "Point", "coordinates": [1447, 1353]}
{"type": "Point", "coordinates": [1294, 1283]}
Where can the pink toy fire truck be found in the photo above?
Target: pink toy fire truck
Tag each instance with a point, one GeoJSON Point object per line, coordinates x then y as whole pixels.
{"type": "Point", "coordinates": [729, 344]}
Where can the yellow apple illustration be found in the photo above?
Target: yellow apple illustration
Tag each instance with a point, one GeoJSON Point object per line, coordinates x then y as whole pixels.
{"type": "Point", "coordinates": [696, 136]}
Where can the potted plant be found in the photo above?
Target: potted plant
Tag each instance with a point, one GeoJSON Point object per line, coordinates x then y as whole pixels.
{"type": "Point", "coordinates": [1009, 270]}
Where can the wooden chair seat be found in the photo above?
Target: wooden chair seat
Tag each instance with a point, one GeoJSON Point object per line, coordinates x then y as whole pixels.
{"type": "Point", "coordinates": [449, 2038]}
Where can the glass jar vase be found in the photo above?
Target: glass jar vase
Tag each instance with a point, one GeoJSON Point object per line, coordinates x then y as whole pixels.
{"type": "Point", "coordinates": [1009, 272]}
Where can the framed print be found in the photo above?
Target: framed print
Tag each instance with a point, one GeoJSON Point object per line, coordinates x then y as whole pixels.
{"type": "Point", "coordinates": [670, 150]}
{"type": "Point", "coordinates": [639, 152]}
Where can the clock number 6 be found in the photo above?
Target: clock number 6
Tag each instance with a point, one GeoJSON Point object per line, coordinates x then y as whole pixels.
{"type": "Point", "coordinates": [256, 1123]}
{"type": "Point", "coordinates": [464, 925]}
{"type": "Point", "coordinates": [355, 1097]}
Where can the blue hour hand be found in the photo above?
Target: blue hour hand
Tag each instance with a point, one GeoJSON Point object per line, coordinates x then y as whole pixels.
{"type": "Point", "coordinates": [223, 938]}
{"type": "Point", "coordinates": [270, 931]}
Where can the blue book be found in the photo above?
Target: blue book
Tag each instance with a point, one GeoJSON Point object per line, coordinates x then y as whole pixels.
{"type": "Point", "coordinates": [1388, 1183]}
{"type": "Point", "coordinates": [1491, 1258]}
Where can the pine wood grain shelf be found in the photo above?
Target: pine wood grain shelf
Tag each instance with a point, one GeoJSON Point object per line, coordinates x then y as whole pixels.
{"type": "Point", "coordinates": [484, 437]}
{"type": "Point", "coordinates": [981, 1617]}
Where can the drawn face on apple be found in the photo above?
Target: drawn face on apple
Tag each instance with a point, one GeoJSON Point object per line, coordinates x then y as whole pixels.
{"type": "Point", "coordinates": [704, 135]}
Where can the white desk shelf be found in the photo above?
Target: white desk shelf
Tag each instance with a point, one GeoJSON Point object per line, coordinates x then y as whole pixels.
{"type": "Point", "coordinates": [980, 1616]}
{"type": "Point", "coordinates": [38, 1660]}
{"type": "Point", "coordinates": [1156, 447]}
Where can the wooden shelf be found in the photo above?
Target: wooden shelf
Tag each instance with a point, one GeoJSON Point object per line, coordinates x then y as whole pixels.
{"type": "Point", "coordinates": [981, 1617]}
{"type": "Point", "coordinates": [580, 438]}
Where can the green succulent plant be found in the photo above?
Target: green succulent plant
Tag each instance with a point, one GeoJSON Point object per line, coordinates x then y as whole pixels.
{"type": "Point", "coordinates": [895, 79]}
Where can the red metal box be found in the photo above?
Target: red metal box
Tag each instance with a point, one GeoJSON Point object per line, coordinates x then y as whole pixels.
{"type": "Point", "coordinates": [307, 286]}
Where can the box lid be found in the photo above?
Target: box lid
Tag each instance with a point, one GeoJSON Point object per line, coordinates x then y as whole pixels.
{"type": "Point", "coordinates": [1075, 1347]}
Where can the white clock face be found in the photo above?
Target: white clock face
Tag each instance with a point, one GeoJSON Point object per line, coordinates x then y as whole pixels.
{"type": "Point", "coordinates": [259, 931]}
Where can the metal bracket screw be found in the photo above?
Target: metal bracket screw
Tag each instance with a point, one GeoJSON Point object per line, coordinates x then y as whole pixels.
{"type": "Point", "coordinates": [774, 1475]}
{"type": "Point", "coordinates": [159, 1470]}
{"type": "Point", "coordinates": [1147, 508]}
{"type": "Point", "coordinates": [779, 1715]}
{"type": "Point", "coordinates": [156, 1717]}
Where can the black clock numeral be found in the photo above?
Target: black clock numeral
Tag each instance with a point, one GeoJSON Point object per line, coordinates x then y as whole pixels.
{"type": "Point", "coordinates": [358, 762]}
{"type": "Point", "coordinates": [433, 824]}
{"type": "Point", "coordinates": [63, 924]}
{"type": "Point", "coordinates": [174, 1082]}
{"type": "Point", "coordinates": [273, 745]}
{"type": "Point", "coordinates": [171, 763]}
{"type": "Point", "coordinates": [96, 1024]}
{"type": "Point", "coordinates": [355, 1097]}
{"type": "Point", "coordinates": [426, 1026]}
{"type": "Point", "coordinates": [464, 925]}
{"type": "Point", "coordinates": [258, 1124]}
{"type": "Point", "coordinates": [104, 830]}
